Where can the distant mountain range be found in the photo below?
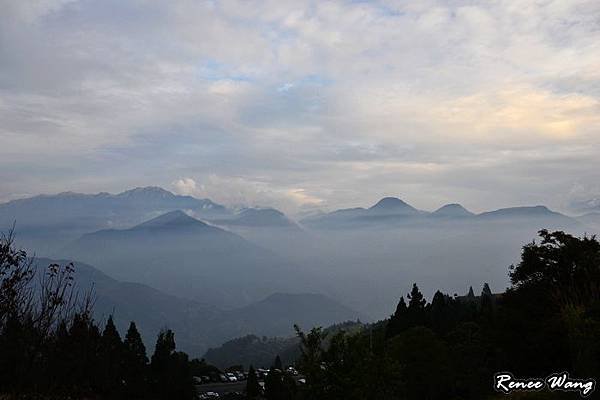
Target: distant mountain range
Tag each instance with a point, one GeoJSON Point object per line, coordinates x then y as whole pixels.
{"type": "Point", "coordinates": [198, 326]}
{"type": "Point", "coordinates": [198, 250]}
{"type": "Point", "coordinates": [187, 257]}
{"type": "Point", "coordinates": [47, 221]}
{"type": "Point", "coordinates": [393, 211]}
{"type": "Point", "coordinates": [257, 218]}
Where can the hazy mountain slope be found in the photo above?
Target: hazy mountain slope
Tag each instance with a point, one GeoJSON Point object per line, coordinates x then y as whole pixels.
{"type": "Point", "coordinates": [260, 352]}
{"type": "Point", "coordinates": [452, 211]}
{"type": "Point", "coordinates": [47, 221]}
{"type": "Point", "coordinates": [257, 218]}
{"type": "Point", "coordinates": [389, 210]}
{"type": "Point", "coordinates": [392, 206]}
{"type": "Point", "coordinates": [150, 308]}
{"type": "Point", "coordinates": [183, 256]}
{"type": "Point", "coordinates": [277, 314]}
{"type": "Point", "coordinates": [591, 220]}
{"type": "Point", "coordinates": [198, 326]}
{"type": "Point", "coordinates": [393, 212]}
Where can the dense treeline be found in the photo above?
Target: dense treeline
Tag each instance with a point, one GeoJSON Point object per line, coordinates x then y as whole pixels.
{"type": "Point", "coordinates": [548, 321]}
{"type": "Point", "coordinates": [50, 346]}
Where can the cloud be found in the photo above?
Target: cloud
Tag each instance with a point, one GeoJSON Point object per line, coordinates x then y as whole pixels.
{"type": "Point", "coordinates": [185, 186]}
{"type": "Point", "coordinates": [241, 192]}
{"type": "Point", "coordinates": [303, 103]}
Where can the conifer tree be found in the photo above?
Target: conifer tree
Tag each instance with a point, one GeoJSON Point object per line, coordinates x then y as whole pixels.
{"type": "Point", "coordinates": [277, 363]}
{"type": "Point", "coordinates": [438, 312]}
{"type": "Point", "coordinates": [111, 359]}
{"type": "Point", "coordinates": [416, 307]}
{"type": "Point", "coordinates": [252, 386]}
{"type": "Point", "coordinates": [486, 302]}
{"type": "Point", "coordinates": [135, 364]}
{"type": "Point", "coordinates": [274, 382]}
{"type": "Point", "coordinates": [398, 321]}
{"type": "Point", "coordinates": [171, 371]}
{"type": "Point", "coordinates": [471, 294]}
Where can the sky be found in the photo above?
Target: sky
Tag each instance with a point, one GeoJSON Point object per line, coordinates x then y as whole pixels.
{"type": "Point", "coordinates": [304, 105]}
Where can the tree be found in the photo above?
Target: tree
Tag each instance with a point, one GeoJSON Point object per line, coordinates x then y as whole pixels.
{"type": "Point", "coordinates": [277, 363]}
{"type": "Point", "coordinates": [171, 372]}
{"type": "Point", "coordinates": [134, 346]}
{"type": "Point", "coordinates": [416, 307]}
{"type": "Point", "coordinates": [439, 313]}
{"type": "Point", "coordinates": [487, 304]}
{"type": "Point", "coordinates": [425, 363]}
{"type": "Point", "coordinates": [278, 385]}
{"type": "Point", "coordinates": [566, 266]}
{"type": "Point", "coordinates": [252, 386]}
{"type": "Point", "coordinates": [111, 359]}
{"type": "Point", "coordinates": [310, 362]}
{"type": "Point", "coordinates": [558, 280]}
{"type": "Point", "coordinates": [398, 321]}
{"type": "Point", "coordinates": [471, 294]}
{"type": "Point", "coordinates": [135, 364]}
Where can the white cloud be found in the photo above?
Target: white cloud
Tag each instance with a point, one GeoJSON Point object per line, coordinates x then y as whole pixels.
{"type": "Point", "coordinates": [300, 102]}
{"type": "Point", "coordinates": [241, 192]}
{"type": "Point", "coordinates": [185, 186]}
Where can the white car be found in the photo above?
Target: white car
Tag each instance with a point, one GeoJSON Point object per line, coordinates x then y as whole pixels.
{"type": "Point", "coordinates": [231, 377]}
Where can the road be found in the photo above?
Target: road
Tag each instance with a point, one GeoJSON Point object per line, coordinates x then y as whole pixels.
{"type": "Point", "coordinates": [221, 388]}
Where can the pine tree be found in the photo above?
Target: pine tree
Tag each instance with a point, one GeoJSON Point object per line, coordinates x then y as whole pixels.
{"type": "Point", "coordinates": [274, 382]}
{"type": "Point", "coordinates": [398, 321]}
{"type": "Point", "coordinates": [438, 311]}
{"type": "Point", "coordinates": [487, 303]}
{"type": "Point", "coordinates": [471, 294]}
{"type": "Point", "coordinates": [252, 386]}
{"type": "Point", "coordinates": [171, 373]}
{"type": "Point", "coordinates": [416, 299]}
{"type": "Point", "coordinates": [277, 363]}
{"type": "Point", "coordinates": [165, 346]}
{"type": "Point", "coordinates": [83, 357]}
{"type": "Point", "coordinates": [111, 359]}
{"type": "Point", "coordinates": [416, 307]}
{"type": "Point", "coordinates": [135, 364]}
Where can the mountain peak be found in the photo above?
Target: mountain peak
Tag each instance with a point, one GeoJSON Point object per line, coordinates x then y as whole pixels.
{"type": "Point", "coordinates": [147, 191]}
{"type": "Point", "coordinates": [525, 211]}
{"type": "Point", "coordinates": [392, 205]}
{"type": "Point", "coordinates": [175, 218]}
{"type": "Point", "coordinates": [389, 203]}
{"type": "Point", "coordinates": [452, 210]}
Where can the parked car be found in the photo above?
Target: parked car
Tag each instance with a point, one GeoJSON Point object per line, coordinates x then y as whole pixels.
{"type": "Point", "coordinates": [208, 395]}
{"type": "Point", "coordinates": [231, 377]}
{"type": "Point", "coordinates": [223, 378]}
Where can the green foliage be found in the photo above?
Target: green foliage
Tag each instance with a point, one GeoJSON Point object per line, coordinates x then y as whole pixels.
{"type": "Point", "coordinates": [548, 321]}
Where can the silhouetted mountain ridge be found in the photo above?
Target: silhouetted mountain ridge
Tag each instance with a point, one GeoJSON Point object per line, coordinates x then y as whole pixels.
{"type": "Point", "coordinates": [46, 222]}
{"type": "Point", "coordinates": [452, 210]}
{"type": "Point", "coordinates": [186, 257]}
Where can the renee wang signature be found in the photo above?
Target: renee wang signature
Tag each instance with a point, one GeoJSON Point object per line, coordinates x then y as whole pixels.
{"type": "Point", "coordinates": [505, 382]}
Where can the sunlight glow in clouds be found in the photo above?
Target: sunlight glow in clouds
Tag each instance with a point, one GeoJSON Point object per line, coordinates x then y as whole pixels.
{"type": "Point", "coordinates": [303, 104]}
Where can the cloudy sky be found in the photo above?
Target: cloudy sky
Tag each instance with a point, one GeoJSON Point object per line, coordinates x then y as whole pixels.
{"type": "Point", "coordinates": [304, 104]}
